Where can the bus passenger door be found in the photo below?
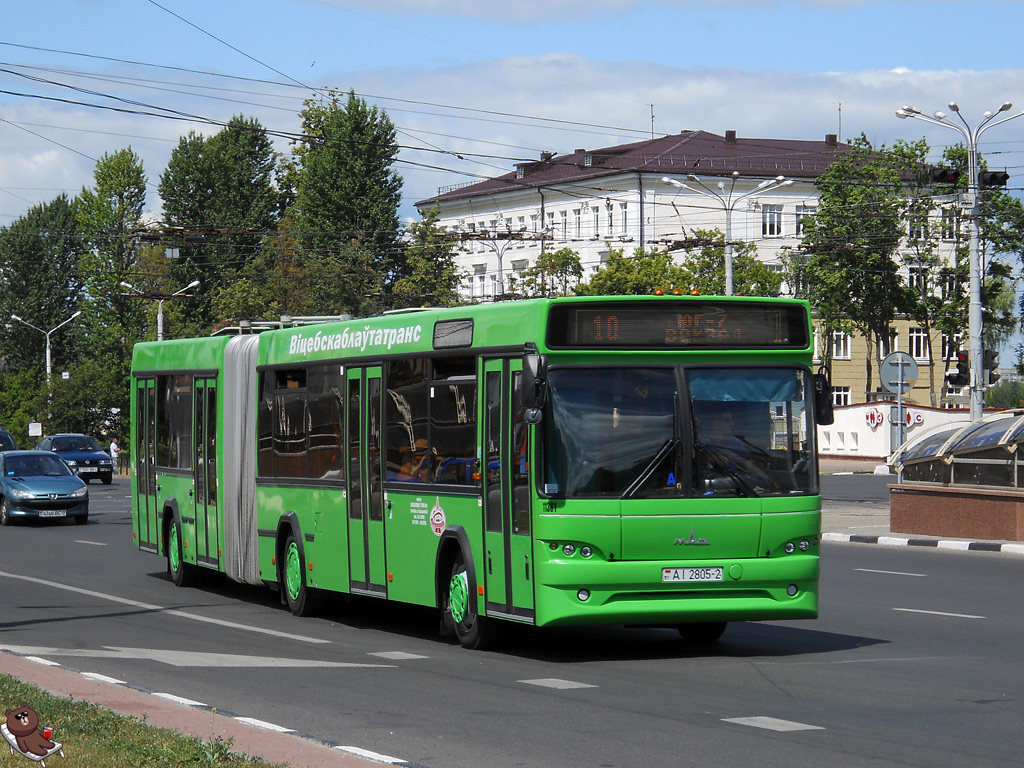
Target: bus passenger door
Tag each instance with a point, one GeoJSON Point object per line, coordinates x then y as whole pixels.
{"type": "Point", "coordinates": [507, 520]}
{"type": "Point", "coordinates": [365, 483]}
{"type": "Point", "coordinates": [144, 443]}
{"type": "Point", "coordinates": [204, 467]}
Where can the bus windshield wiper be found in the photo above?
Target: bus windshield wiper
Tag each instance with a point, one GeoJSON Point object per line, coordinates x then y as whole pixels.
{"type": "Point", "coordinates": [659, 457]}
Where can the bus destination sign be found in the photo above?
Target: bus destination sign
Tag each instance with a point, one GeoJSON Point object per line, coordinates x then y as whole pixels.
{"type": "Point", "coordinates": [684, 324]}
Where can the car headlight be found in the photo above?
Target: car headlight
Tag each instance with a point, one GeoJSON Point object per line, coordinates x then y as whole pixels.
{"type": "Point", "coordinates": [105, 462]}
{"type": "Point", "coordinates": [83, 491]}
{"type": "Point", "coordinates": [72, 463]}
{"type": "Point", "coordinates": [18, 493]}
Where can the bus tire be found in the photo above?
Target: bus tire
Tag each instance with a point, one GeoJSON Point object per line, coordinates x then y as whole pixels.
{"type": "Point", "coordinates": [182, 574]}
{"type": "Point", "coordinates": [701, 633]}
{"type": "Point", "coordinates": [473, 631]}
{"type": "Point", "coordinates": [301, 599]}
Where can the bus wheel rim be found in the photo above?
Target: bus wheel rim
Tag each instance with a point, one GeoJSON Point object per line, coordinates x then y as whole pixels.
{"type": "Point", "coordinates": [173, 549]}
{"type": "Point", "coordinates": [293, 572]}
{"type": "Point", "coordinates": [458, 597]}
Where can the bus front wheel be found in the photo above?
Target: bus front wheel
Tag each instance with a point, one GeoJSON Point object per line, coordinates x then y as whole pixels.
{"type": "Point", "coordinates": [300, 598]}
{"type": "Point", "coordinates": [182, 574]}
{"type": "Point", "coordinates": [473, 631]}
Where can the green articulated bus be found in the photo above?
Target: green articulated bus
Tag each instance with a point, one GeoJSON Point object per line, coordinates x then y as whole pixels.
{"type": "Point", "coordinates": [604, 460]}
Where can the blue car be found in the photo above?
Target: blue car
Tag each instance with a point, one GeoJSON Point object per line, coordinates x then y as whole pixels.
{"type": "Point", "coordinates": [82, 453]}
{"type": "Point", "coordinates": [37, 485]}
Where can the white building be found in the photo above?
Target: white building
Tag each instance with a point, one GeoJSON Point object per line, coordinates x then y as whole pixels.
{"type": "Point", "coordinates": [593, 201]}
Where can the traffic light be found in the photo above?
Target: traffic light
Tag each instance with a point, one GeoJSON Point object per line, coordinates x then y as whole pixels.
{"type": "Point", "coordinates": [961, 376]}
{"type": "Point", "coordinates": [944, 175]}
{"type": "Point", "coordinates": [990, 362]}
{"type": "Point", "coordinates": [993, 178]}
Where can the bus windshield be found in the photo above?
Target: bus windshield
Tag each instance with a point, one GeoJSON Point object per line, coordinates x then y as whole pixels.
{"type": "Point", "coordinates": [687, 432]}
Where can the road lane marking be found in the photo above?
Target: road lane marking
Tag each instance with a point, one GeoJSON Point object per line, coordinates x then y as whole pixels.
{"type": "Point", "coordinates": [373, 755]}
{"type": "Point", "coordinates": [889, 573]}
{"type": "Point", "coordinates": [264, 724]}
{"type": "Point", "coordinates": [190, 658]}
{"type": "Point", "coordinates": [398, 655]}
{"type": "Point", "coordinates": [772, 724]}
{"type": "Point", "coordinates": [162, 609]}
{"type": "Point", "coordinates": [103, 678]}
{"type": "Point", "coordinates": [93, 543]}
{"type": "Point", "coordinates": [940, 613]}
{"type": "Point", "coordinates": [180, 700]}
{"type": "Point", "coordinates": [554, 682]}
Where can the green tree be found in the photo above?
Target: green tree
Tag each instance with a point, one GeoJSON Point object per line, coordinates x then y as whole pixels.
{"type": "Point", "coordinates": [851, 269]}
{"type": "Point", "coordinates": [555, 272]}
{"type": "Point", "coordinates": [109, 214]}
{"type": "Point", "coordinates": [432, 276]}
{"type": "Point", "coordinates": [220, 191]}
{"type": "Point", "coordinates": [346, 202]}
{"type": "Point", "coordinates": [706, 266]}
{"type": "Point", "coordinates": [641, 274]}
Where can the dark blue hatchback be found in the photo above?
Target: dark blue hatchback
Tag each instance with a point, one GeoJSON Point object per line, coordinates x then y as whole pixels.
{"type": "Point", "coordinates": [82, 453]}
{"type": "Point", "coordinates": [36, 485]}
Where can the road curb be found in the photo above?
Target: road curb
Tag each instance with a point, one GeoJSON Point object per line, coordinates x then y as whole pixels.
{"type": "Point", "coordinates": [959, 545]}
{"type": "Point", "coordinates": [249, 735]}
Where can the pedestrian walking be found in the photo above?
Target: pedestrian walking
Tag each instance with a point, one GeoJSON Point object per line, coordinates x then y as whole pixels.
{"type": "Point", "coordinates": [115, 455]}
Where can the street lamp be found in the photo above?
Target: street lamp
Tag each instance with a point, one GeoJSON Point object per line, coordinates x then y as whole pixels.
{"type": "Point", "coordinates": [728, 203]}
{"type": "Point", "coordinates": [160, 298]}
{"type": "Point", "coordinates": [47, 335]}
{"type": "Point", "coordinates": [970, 204]}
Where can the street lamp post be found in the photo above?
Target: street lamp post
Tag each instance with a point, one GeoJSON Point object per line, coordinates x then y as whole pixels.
{"type": "Point", "coordinates": [160, 298]}
{"type": "Point", "coordinates": [49, 365]}
{"type": "Point", "coordinates": [970, 203]}
{"type": "Point", "coordinates": [728, 203]}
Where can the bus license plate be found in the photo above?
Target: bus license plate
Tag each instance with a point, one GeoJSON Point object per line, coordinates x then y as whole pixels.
{"type": "Point", "coordinates": [706, 573]}
{"type": "Point", "coordinates": [53, 513]}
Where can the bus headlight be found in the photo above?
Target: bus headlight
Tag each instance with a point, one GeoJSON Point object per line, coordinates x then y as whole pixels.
{"type": "Point", "coordinates": [568, 550]}
{"type": "Point", "coordinates": [583, 595]}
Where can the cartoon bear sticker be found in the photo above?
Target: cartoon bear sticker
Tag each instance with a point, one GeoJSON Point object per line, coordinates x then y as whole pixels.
{"type": "Point", "coordinates": [22, 733]}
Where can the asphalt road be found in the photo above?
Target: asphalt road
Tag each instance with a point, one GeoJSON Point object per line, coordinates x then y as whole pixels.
{"type": "Point", "coordinates": [914, 662]}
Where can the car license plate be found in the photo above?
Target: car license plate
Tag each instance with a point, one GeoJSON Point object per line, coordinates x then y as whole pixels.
{"type": "Point", "coordinates": [87, 469]}
{"type": "Point", "coordinates": [53, 513]}
{"type": "Point", "coordinates": [705, 573]}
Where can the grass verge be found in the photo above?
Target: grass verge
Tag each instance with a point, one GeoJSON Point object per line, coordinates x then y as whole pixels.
{"type": "Point", "coordinates": [99, 738]}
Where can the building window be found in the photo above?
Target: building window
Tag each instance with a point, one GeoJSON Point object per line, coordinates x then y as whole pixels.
{"type": "Point", "coordinates": [918, 227]}
{"type": "Point", "coordinates": [840, 345]}
{"type": "Point", "coordinates": [551, 223]}
{"type": "Point", "coordinates": [534, 222]}
{"type": "Point", "coordinates": [917, 278]}
{"type": "Point", "coordinates": [918, 339]}
{"type": "Point", "coordinates": [803, 213]}
{"type": "Point", "coordinates": [577, 221]}
{"type": "Point", "coordinates": [597, 221]}
{"type": "Point", "coordinates": [840, 395]}
{"type": "Point", "coordinates": [951, 345]}
{"type": "Point", "coordinates": [949, 223]}
{"type": "Point", "coordinates": [771, 220]}
{"type": "Point", "coordinates": [564, 217]}
{"type": "Point", "coordinates": [611, 223]}
{"type": "Point", "coordinates": [887, 343]}
{"type": "Point", "coordinates": [624, 217]}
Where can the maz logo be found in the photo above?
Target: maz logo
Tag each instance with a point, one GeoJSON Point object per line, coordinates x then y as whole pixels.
{"type": "Point", "coordinates": [693, 541]}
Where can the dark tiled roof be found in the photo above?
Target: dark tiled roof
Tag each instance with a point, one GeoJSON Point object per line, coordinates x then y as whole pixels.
{"type": "Point", "coordinates": [700, 152]}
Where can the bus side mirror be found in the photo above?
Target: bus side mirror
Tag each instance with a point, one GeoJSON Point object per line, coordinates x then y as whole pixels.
{"type": "Point", "coordinates": [823, 412]}
{"type": "Point", "coordinates": [534, 386]}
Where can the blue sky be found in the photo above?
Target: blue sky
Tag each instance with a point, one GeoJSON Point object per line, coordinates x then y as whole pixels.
{"type": "Point", "coordinates": [565, 75]}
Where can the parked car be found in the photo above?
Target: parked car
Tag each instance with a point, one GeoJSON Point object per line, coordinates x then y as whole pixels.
{"type": "Point", "coordinates": [82, 453]}
{"type": "Point", "coordinates": [37, 485]}
{"type": "Point", "coordinates": [7, 442]}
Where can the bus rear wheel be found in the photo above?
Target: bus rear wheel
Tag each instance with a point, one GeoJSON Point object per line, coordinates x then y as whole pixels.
{"type": "Point", "coordinates": [702, 633]}
{"type": "Point", "coordinates": [182, 574]}
{"type": "Point", "coordinates": [473, 631]}
{"type": "Point", "coordinates": [300, 598]}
